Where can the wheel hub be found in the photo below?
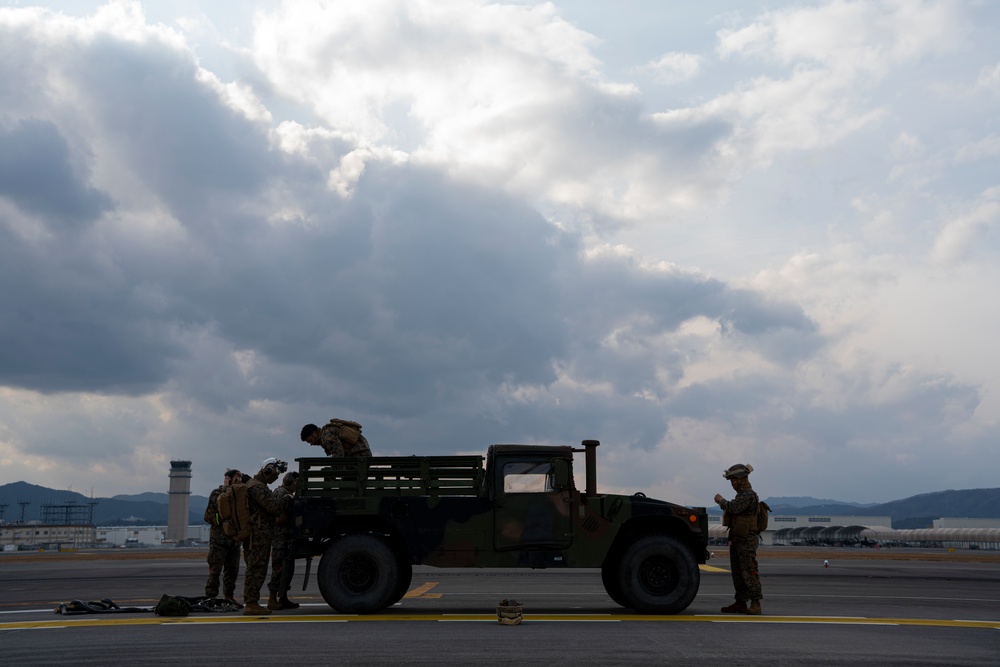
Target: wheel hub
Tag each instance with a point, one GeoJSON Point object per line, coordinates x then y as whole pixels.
{"type": "Point", "coordinates": [358, 574]}
{"type": "Point", "coordinates": [658, 575]}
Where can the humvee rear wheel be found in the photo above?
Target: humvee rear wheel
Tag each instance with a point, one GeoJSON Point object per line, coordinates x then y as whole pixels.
{"type": "Point", "coordinates": [658, 575]}
{"type": "Point", "coordinates": [405, 578]}
{"type": "Point", "coordinates": [358, 574]}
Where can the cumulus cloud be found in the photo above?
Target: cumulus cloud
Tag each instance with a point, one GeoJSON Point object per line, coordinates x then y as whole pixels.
{"type": "Point", "coordinates": [959, 236]}
{"type": "Point", "coordinates": [406, 213]}
{"type": "Point", "coordinates": [831, 55]}
{"type": "Point", "coordinates": [989, 78]}
{"type": "Point", "coordinates": [676, 67]}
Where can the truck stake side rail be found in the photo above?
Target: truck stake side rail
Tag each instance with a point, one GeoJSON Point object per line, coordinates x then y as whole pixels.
{"type": "Point", "coordinates": [351, 477]}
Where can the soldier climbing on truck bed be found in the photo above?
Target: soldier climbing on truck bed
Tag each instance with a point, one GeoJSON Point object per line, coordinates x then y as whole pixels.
{"type": "Point", "coordinates": [340, 437]}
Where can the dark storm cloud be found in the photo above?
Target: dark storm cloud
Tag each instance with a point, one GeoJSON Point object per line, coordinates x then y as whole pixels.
{"type": "Point", "coordinates": [661, 300]}
{"type": "Point", "coordinates": [71, 323]}
{"type": "Point", "coordinates": [424, 301]}
{"type": "Point", "coordinates": [175, 134]}
{"type": "Point", "coordinates": [37, 175]}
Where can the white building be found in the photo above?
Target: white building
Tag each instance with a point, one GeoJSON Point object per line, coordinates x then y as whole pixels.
{"type": "Point", "coordinates": [813, 529]}
{"type": "Point", "coordinates": [950, 522]}
{"type": "Point", "coordinates": [146, 536]}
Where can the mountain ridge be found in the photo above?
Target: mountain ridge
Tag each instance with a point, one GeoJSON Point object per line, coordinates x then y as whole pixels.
{"type": "Point", "coordinates": [150, 508]}
{"type": "Point", "coordinates": [146, 510]}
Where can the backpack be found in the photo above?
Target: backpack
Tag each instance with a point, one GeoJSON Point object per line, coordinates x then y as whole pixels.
{"type": "Point", "coordinates": [170, 605]}
{"type": "Point", "coordinates": [349, 432]}
{"type": "Point", "coordinates": [234, 511]}
{"type": "Point", "coordinates": [741, 525]}
{"type": "Point", "coordinates": [763, 509]}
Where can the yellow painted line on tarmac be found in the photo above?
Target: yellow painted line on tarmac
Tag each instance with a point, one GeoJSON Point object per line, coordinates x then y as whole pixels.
{"type": "Point", "coordinates": [421, 591]}
{"type": "Point", "coordinates": [711, 568]}
{"type": "Point", "coordinates": [528, 618]}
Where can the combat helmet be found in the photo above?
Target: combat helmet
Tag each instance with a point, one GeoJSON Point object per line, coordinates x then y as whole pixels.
{"type": "Point", "coordinates": [738, 471]}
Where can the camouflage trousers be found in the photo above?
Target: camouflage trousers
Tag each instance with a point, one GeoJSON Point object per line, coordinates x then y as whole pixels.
{"type": "Point", "coordinates": [256, 553]}
{"type": "Point", "coordinates": [743, 563]}
{"type": "Point", "coordinates": [224, 561]}
{"type": "Point", "coordinates": [282, 565]}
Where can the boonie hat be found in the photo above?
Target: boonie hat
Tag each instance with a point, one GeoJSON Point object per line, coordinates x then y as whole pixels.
{"type": "Point", "coordinates": [737, 471]}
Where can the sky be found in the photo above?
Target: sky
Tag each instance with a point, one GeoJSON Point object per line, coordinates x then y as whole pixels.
{"type": "Point", "coordinates": [701, 233]}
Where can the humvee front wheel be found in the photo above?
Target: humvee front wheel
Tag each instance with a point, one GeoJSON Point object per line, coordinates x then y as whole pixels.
{"type": "Point", "coordinates": [358, 574]}
{"type": "Point", "coordinates": [658, 575]}
{"type": "Point", "coordinates": [609, 576]}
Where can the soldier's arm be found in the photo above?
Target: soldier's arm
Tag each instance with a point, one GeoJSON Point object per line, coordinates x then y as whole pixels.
{"type": "Point", "coordinates": [268, 501]}
{"type": "Point", "coordinates": [212, 511]}
{"type": "Point", "coordinates": [330, 442]}
{"type": "Point", "coordinates": [743, 502]}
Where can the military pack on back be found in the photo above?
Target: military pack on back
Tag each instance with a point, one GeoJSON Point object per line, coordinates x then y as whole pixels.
{"type": "Point", "coordinates": [348, 431]}
{"type": "Point", "coordinates": [741, 525]}
{"type": "Point", "coordinates": [763, 511]}
{"type": "Point", "coordinates": [234, 510]}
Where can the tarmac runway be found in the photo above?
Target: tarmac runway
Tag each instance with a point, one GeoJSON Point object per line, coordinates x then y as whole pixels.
{"type": "Point", "coordinates": [905, 608]}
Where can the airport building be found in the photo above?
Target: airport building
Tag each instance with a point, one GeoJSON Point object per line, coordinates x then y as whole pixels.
{"type": "Point", "coordinates": [46, 536]}
{"type": "Point", "coordinates": [179, 500]}
{"type": "Point", "coordinates": [786, 530]}
{"type": "Point", "coordinates": [146, 536]}
{"type": "Point", "coordinates": [35, 536]}
{"type": "Point", "coordinates": [870, 531]}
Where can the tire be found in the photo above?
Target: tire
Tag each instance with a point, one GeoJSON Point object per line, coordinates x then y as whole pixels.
{"type": "Point", "coordinates": [359, 574]}
{"type": "Point", "coordinates": [609, 575]}
{"type": "Point", "coordinates": [403, 584]}
{"type": "Point", "coordinates": [658, 575]}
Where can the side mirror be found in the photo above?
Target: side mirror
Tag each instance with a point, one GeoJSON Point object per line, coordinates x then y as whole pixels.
{"type": "Point", "coordinates": [562, 476]}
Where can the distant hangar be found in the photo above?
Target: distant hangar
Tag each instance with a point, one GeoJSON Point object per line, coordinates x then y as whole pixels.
{"type": "Point", "coordinates": [864, 531]}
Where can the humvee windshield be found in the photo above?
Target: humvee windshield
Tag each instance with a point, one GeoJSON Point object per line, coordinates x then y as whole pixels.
{"type": "Point", "coordinates": [527, 477]}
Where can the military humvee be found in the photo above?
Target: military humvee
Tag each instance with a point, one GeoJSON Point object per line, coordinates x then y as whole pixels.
{"type": "Point", "coordinates": [373, 519]}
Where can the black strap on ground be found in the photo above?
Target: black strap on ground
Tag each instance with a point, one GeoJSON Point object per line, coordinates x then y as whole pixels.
{"type": "Point", "coordinates": [103, 606]}
{"type": "Point", "coordinates": [107, 606]}
{"type": "Point", "coordinates": [211, 604]}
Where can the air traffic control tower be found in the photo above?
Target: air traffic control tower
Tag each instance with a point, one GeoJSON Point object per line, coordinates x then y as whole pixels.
{"type": "Point", "coordinates": [179, 500]}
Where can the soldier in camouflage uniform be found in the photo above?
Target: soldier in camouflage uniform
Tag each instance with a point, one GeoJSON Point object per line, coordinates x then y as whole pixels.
{"type": "Point", "coordinates": [223, 551]}
{"type": "Point", "coordinates": [329, 438]}
{"type": "Point", "coordinates": [282, 565]}
{"type": "Point", "coordinates": [741, 517]}
{"type": "Point", "coordinates": [264, 508]}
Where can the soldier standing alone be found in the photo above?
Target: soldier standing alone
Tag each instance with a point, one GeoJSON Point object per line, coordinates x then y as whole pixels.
{"type": "Point", "coordinates": [223, 551]}
{"type": "Point", "coordinates": [740, 514]}
{"type": "Point", "coordinates": [264, 509]}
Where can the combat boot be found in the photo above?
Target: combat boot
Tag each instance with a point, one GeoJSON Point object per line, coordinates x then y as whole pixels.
{"type": "Point", "coordinates": [287, 604]}
{"type": "Point", "coordinates": [273, 603]}
{"type": "Point", "coordinates": [754, 609]}
{"type": "Point", "coordinates": [738, 607]}
{"type": "Point", "coordinates": [254, 609]}
{"type": "Point", "coordinates": [231, 598]}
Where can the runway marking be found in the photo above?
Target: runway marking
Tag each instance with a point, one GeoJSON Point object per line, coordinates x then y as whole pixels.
{"type": "Point", "coordinates": [421, 591]}
{"type": "Point", "coordinates": [711, 568]}
{"type": "Point", "coordinates": [491, 618]}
